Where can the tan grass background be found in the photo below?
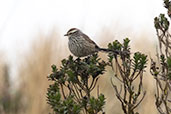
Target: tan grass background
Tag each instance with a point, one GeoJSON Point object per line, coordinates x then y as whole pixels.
{"type": "Point", "coordinates": [51, 49]}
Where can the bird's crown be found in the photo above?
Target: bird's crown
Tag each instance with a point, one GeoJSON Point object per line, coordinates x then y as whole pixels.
{"type": "Point", "coordinates": [72, 30]}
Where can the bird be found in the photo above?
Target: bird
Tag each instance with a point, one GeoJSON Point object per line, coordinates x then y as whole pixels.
{"type": "Point", "coordinates": [80, 45]}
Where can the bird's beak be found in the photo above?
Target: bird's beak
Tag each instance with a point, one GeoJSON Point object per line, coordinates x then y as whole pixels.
{"type": "Point", "coordinates": [65, 34]}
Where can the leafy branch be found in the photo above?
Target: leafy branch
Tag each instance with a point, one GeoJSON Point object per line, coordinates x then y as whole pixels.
{"type": "Point", "coordinates": [127, 70]}
{"type": "Point", "coordinates": [73, 83]}
{"type": "Point", "coordinates": [162, 70]}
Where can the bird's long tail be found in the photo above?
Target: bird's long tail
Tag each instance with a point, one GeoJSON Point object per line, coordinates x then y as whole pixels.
{"type": "Point", "coordinates": [109, 50]}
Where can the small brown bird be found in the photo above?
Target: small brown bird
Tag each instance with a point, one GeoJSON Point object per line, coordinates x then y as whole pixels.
{"type": "Point", "coordinates": [80, 44]}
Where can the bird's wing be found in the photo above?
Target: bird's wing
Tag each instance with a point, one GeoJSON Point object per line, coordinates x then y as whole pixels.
{"type": "Point", "coordinates": [89, 40]}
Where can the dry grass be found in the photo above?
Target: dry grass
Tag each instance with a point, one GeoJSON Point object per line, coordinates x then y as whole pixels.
{"type": "Point", "coordinates": [34, 70]}
{"type": "Point", "coordinates": [7, 99]}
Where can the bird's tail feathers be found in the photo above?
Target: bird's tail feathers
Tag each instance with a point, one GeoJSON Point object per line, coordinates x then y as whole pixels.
{"type": "Point", "coordinates": [109, 50]}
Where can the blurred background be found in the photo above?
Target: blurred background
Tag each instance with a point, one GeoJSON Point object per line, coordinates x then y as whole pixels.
{"type": "Point", "coordinates": [31, 40]}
